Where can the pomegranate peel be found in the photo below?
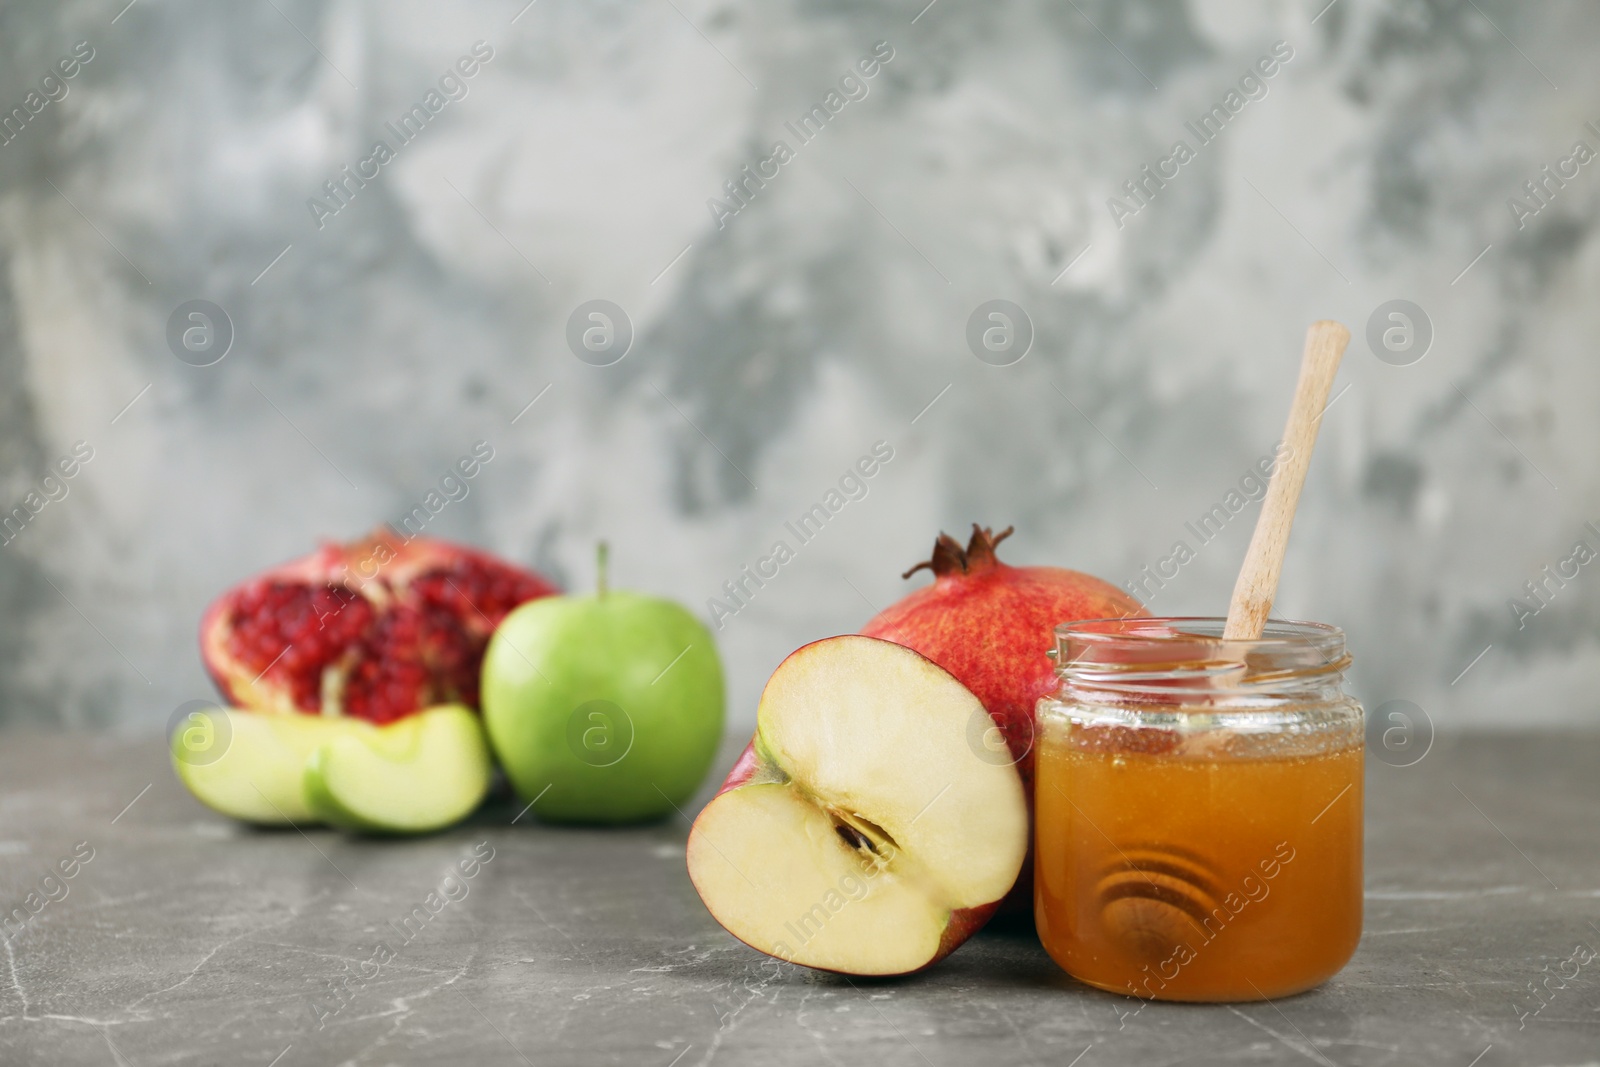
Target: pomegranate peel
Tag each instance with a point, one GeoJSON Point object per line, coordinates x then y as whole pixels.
{"type": "Point", "coordinates": [992, 625]}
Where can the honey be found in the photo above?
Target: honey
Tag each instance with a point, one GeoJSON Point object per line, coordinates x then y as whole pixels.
{"type": "Point", "coordinates": [1198, 833]}
{"type": "Point", "coordinates": [1194, 878]}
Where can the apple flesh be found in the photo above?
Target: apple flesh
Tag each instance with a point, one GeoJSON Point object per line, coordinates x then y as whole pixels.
{"type": "Point", "coordinates": [861, 832]}
{"type": "Point", "coordinates": [423, 773]}
{"type": "Point", "coordinates": [250, 765]}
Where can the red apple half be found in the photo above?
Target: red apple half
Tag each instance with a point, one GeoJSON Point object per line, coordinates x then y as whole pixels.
{"type": "Point", "coordinates": [860, 832]}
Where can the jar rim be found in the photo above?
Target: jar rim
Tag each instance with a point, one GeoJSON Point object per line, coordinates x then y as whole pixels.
{"type": "Point", "coordinates": [1152, 629]}
{"type": "Point", "coordinates": [1172, 653]}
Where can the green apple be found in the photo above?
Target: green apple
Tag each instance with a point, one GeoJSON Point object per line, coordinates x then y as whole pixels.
{"type": "Point", "coordinates": [250, 764]}
{"type": "Point", "coordinates": [418, 774]}
{"type": "Point", "coordinates": [603, 708]}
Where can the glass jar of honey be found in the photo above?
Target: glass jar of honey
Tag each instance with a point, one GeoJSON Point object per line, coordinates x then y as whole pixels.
{"type": "Point", "coordinates": [1198, 809]}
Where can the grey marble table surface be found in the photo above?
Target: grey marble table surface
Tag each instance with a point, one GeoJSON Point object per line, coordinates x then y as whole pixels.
{"type": "Point", "coordinates": [183, 938]}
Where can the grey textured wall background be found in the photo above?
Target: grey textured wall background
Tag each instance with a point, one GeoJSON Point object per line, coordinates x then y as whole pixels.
{"type": "Point", "coordinates": [771, 352]}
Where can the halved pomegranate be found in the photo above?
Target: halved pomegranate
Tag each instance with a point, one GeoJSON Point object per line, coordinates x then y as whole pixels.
{"type": "Point", "coordinates": [375, 629]}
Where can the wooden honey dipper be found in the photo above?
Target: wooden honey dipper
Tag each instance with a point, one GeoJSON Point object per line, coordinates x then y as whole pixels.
{"type": "Point", "coordinates": [1257, 585]}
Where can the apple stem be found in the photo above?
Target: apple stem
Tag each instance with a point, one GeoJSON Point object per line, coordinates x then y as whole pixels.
{"type": "Point", "coordinates": [602, 552]}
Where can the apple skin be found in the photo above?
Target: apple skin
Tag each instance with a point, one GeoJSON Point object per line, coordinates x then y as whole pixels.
{"type": "Point", "coordinates": [746, 767]}
{"type": "Point", "coordinates": [964, 922]}
{"type": "Point", "coordinates": [605, 708]}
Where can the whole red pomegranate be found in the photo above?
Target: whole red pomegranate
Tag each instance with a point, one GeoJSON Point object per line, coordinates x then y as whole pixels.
{"type": "Point", "coordinates": [375, 629]}
{"type": "Point", "coordinates": [991, 625]}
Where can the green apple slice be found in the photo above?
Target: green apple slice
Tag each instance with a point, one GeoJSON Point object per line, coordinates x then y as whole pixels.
{"type": "Point", "coordinates": [250, 765]}
{"type": "Point", "coordinates": [422, 773]}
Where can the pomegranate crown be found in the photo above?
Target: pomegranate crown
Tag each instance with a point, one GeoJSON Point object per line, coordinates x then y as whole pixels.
{"type": "Point", "coordinates": [950, 558]}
